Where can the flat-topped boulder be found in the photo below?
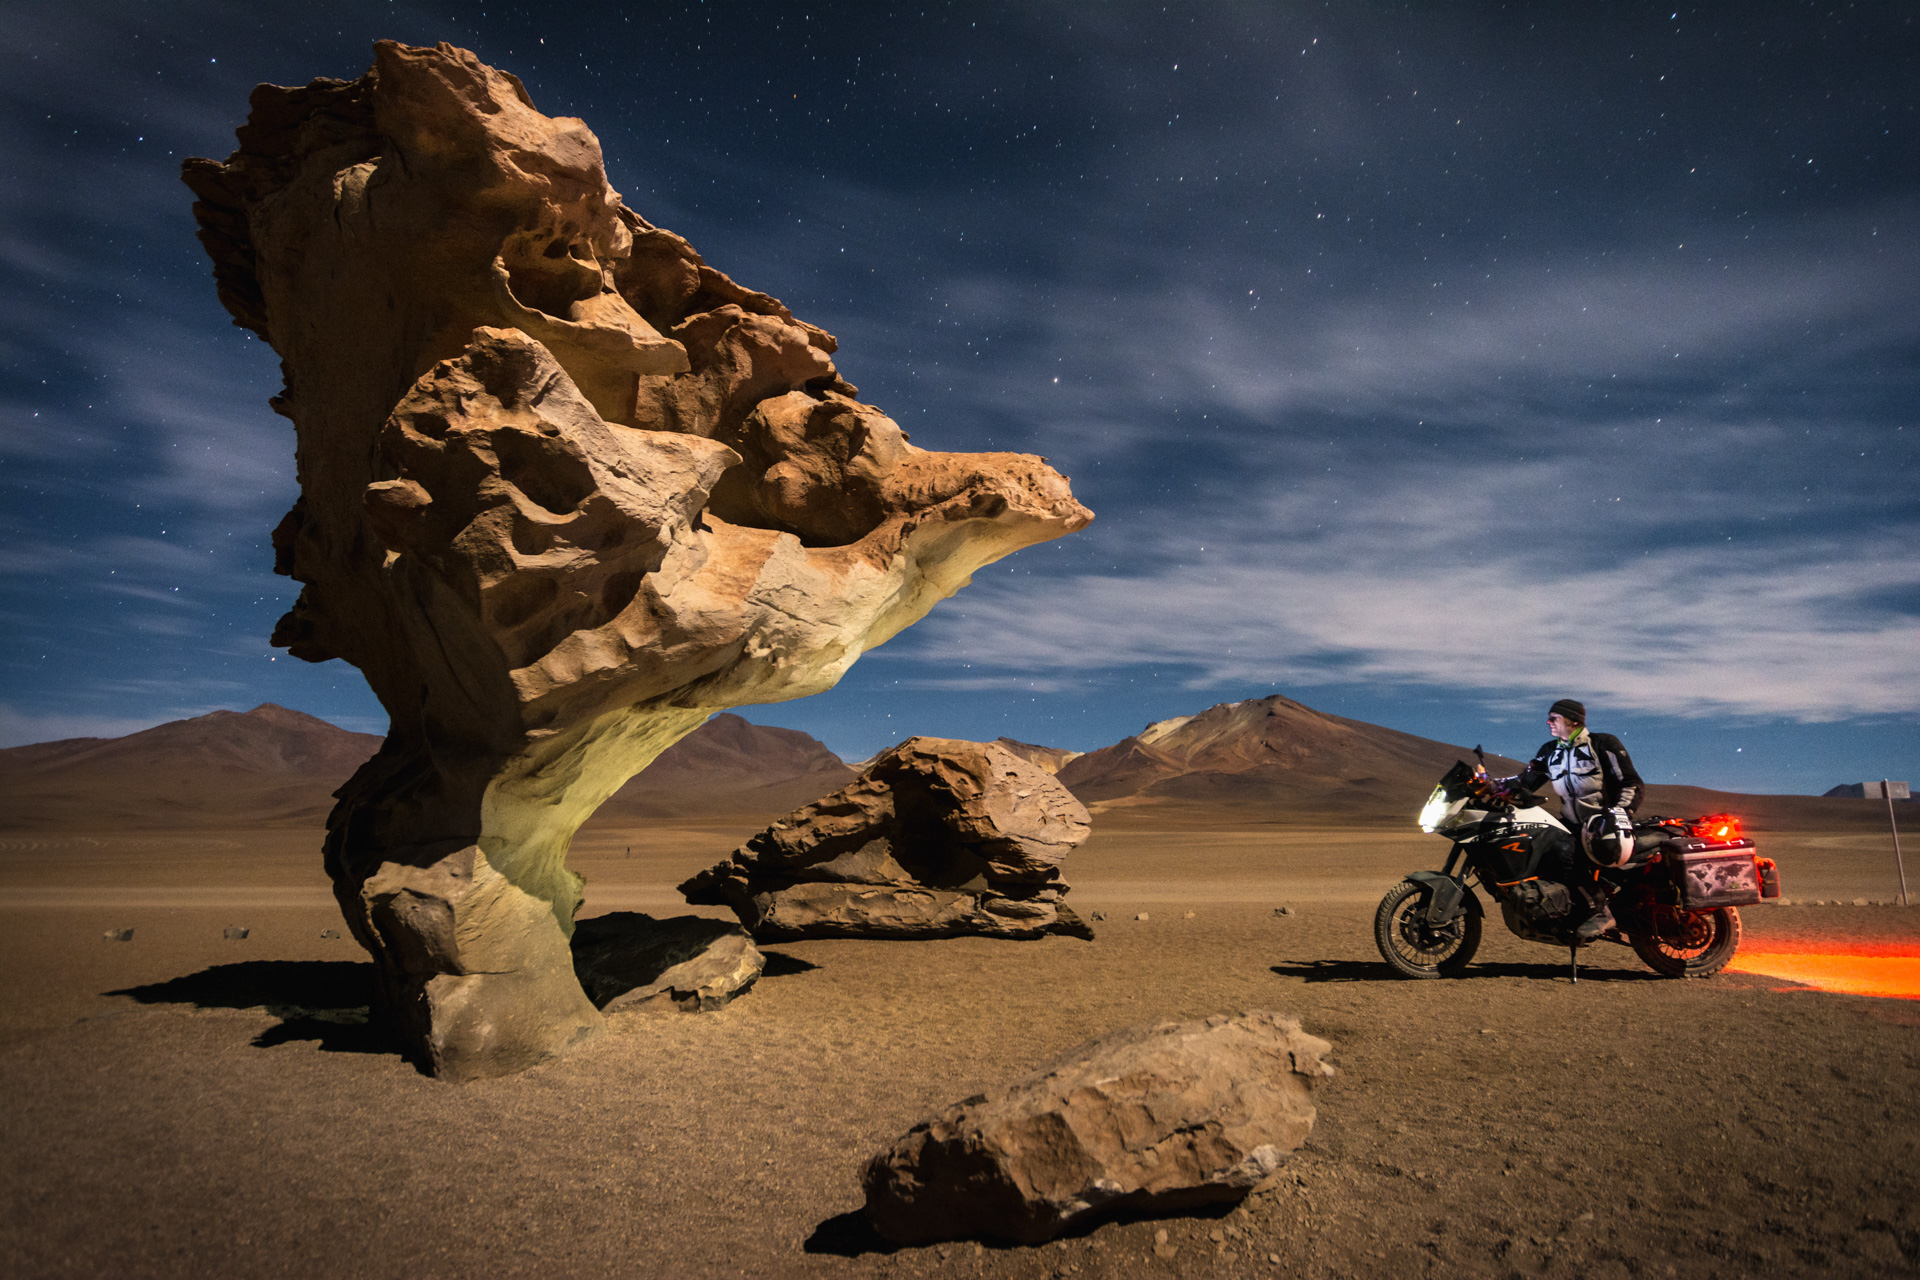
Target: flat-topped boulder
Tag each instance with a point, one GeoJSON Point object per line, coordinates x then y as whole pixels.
{"type": "Point", "coordinates": [939, 837]}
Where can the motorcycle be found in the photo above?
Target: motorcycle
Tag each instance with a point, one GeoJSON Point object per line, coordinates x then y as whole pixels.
{"type": "Point", "coordinates": [1675, 901]}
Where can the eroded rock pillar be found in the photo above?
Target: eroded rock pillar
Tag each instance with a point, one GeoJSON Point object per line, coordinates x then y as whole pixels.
{"type": "Point", "coordinates": [566, 491]}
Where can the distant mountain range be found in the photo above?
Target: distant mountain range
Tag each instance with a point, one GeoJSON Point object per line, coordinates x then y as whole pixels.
{"type": "Point", "coordinates": [729, 767]}
{"type": "Point", "coordinates": [274, 767]}
{"type": "Point", "coordinates": [1264, 760]}
{"type": "Point", "coordinates": [1274, 760]}
{"type": "Point", "coordinates": [264, 767]}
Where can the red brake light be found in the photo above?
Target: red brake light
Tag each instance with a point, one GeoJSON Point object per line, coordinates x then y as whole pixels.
{"type": "Point", "coordinates": [1716, 826]}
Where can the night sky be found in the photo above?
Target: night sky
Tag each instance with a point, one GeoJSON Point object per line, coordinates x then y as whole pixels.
{"type": "Point", "coordinates": [1423, 363]}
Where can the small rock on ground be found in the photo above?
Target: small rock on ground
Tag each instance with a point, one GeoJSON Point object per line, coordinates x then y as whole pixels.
{"type": "Point", "coordinates": [628, 961]}
{"type": "Point", "coordinates": [1201, 1113]}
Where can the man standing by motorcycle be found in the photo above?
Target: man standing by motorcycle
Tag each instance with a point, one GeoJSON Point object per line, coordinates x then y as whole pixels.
{"type": "Point", "coordinates": [1599, 790]}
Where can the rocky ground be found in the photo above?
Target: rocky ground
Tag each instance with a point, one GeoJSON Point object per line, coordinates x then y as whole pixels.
{"type": "Point", "coordinates": [183, 1104]}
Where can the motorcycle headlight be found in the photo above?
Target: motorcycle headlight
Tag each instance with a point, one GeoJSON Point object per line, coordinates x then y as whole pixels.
{"type": "Point", "coordinates": [1435, 810]}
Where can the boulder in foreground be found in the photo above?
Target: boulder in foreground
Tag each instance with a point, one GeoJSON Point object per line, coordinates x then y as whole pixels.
{"type": "Point", "coordinates": [630, 962]}
{"type": "Point", "coordinates": [938, 838]}
{"type": "Point", "coordinates": [1158, 1119]}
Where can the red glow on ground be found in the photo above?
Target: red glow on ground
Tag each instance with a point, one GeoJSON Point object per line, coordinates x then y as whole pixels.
{"type": "Point", "coordinates": [1882, 970]}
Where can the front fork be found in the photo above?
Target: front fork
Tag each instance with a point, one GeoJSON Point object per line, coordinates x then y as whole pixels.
{"type": "Point", "coordinates": [1447, 894]}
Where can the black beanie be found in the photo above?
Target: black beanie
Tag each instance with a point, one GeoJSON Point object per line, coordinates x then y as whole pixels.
{"type": "Point", "coordinates": [1570, 709]}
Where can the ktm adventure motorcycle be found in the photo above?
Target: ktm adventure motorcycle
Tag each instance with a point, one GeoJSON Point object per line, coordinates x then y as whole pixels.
{"type": "Point", "coordinates": [1675, 901]}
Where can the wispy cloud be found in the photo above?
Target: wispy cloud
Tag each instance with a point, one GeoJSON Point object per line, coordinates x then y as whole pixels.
{"type": "Point", "coordinates": [172, 417]}
{"type": "Point", "coordinates": [1007, 681]}
{"type": "Point", "coordinates": [18, 728]}
{"type": "Point", "coordinates": [1459, 339]}
{"type": "Point", "coordinates": [1405, 588]}
{"type": "Point", "coordinates": [1659, 638]}
{"type": "Point", "coordinates": [146, 567]}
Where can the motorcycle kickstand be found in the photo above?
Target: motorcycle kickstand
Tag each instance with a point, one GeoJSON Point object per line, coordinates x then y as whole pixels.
{"type": "Point", "coordinates": [1573, 954]}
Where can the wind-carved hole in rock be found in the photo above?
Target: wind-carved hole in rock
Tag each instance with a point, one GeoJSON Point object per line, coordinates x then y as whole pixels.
{"type": "Point", "coordinates": [512, 601]}
{"type": "Point", "coordinates": [600, 526]}
{"type": "Point", "coordinates": [553, 279]}
{"type": "Point", "coordinates": [598, 536]}
{"type": "Point", "coordinates": [950, 868]}
{"type": "Point", "coordinates": [791, 500]}
{"type": "Point", "coordinates": [619, 592]}
{"type": "Point", "coordinates": [657, 280]}
{"type": "Point", "coordinates": [543, 471]}
{"type": "Point", "coordinates": [531, 537]}
{"type": "Point", "coordinates": [433, 426]}
{"type": "Point", "coordinates": [552, 293]}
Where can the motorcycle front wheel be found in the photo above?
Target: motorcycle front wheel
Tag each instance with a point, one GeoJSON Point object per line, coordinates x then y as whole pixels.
{"type": "Point", "coordinates": [1689, 944]}
{"type": "Point", "coordinates": [1416, 949]}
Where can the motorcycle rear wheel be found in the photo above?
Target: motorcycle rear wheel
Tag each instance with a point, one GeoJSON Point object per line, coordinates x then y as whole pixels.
{"type": "Point", "coordinates": [1416, 949]}
{"type": "Point", "coordinates": [1689, 944]}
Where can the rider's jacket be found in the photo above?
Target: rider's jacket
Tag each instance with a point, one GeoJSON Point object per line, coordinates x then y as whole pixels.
{"type": "Point", "coordinates": [1589, 772]}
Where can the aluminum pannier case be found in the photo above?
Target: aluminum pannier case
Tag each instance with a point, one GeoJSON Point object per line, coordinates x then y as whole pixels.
{"type": "Point", "coordinates": [1715, 873]}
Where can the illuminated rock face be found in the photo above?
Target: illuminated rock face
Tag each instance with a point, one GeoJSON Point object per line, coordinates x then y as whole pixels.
{"type": "Point", "coordinates": [566, 491]}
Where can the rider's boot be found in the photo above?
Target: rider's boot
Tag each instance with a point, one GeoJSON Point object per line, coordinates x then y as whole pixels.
{"type": "Point", "coordinates": [1596, 924]}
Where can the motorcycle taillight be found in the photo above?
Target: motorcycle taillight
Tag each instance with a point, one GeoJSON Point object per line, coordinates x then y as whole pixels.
{"type": "Point", "coordinates": [1715, 826]}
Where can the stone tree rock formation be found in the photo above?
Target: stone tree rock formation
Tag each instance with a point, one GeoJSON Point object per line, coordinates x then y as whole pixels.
{"type": "Point", "coordinates": [566, 490]}
{"type": "Point", "coordinates": [1158, 1119]}
{"type": "Point", "coordinates": [939, 837]}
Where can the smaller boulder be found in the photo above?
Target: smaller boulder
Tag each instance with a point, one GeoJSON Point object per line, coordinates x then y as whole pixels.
{"type": "Point", "coordinates": [1159, 1119]}
{"type": "Point", "coordinates": [629, 962]}
{"type": "Point", "coordinates": [118, 935]}
{"type": "Point", "coordinates": [234, 933]}
{"type": "Point", "coordinates": [938, 838]}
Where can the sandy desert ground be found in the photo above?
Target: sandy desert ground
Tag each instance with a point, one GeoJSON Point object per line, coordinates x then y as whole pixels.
{"type": "Point", "coordinates": [183, 1104]}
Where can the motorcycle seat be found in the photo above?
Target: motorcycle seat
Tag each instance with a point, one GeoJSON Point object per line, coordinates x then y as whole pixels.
{"type": "Point", "coordinates": [1647, 845]}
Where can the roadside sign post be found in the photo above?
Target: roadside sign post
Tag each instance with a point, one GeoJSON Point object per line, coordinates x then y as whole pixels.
{"type": "Point", "coordinates": [1892, 791]}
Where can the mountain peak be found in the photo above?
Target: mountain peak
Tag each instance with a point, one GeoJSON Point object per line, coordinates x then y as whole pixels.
{"type": "Point", "coordinates": [1265, 751]}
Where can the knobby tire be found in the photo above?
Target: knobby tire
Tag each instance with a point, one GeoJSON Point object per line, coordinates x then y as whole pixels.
{"type": "Point", "coordinates": [1411, 948]}
{"type": "Point", "coordinates": [1688, 944]}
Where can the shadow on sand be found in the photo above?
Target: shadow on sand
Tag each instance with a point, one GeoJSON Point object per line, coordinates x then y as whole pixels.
{"type": "Point", "coordinates": [1378, 971]}
{"type": "Point", "coordinates": [850, 1235]}
{"type": "Point", "coordinates": [326, 1001]}
{"type": "Point", "coordinates": [782, 965]}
